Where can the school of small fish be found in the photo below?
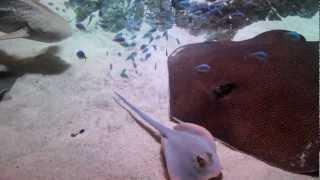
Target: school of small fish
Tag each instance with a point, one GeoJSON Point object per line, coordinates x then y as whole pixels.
{"type": "Point", "coordinates": [141, 52]}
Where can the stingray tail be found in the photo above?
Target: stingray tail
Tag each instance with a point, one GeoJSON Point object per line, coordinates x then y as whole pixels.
{"type": "Point", "coordinates": [161, 128]}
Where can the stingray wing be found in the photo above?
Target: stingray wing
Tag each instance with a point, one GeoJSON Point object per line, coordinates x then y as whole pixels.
{"type": "Point", "coordinates": [196, 130]}
{"type": "Point", "coordinates": [9, 21]}
{"type": "Point", "coordinates": [177, 162]}
{"type": "Point", "coordinates": [172, 161]}
{"type": "Point", "coordinates": [21, 33]}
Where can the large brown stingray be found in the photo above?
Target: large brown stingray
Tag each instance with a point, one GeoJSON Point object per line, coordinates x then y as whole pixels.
{"type": "Point", "coordinates": [259, 95]}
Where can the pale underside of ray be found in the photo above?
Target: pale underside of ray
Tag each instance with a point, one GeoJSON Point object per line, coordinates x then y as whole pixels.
{"type": "Point", "coordinates": [32, 20]}
{"type": "Point", "coordinates": [21, 33]}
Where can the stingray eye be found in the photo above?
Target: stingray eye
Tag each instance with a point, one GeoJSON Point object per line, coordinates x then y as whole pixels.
{"type": "Point", "coordinates": [224, 89]}
{"type": "Point", "coordinates": [201, 162]}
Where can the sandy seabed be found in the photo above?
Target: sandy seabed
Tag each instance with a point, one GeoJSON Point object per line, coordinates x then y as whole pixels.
{"type": "Point", "coordinates": [56, 94]}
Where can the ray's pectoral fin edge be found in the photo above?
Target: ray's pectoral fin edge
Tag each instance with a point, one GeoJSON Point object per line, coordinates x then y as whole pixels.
{"type": "Point", "coordinates": [21, 33]}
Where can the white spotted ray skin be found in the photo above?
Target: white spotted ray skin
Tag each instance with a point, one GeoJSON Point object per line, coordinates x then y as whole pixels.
{"type": "Point", "coordinates": [182, 146]}
{"type": "Point", "coordinates": [31, 20]}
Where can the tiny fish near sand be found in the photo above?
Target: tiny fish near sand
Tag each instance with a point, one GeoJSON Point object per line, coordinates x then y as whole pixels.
{"type": "Point", "coordinates": [147, 56]}
{"type": "Point", "coordinates": [119, 38]}
{"type": "Point", "coordinates": [124, 44]}
{"type": "Point", "coordinates": [154, 47]}
{"type": "Point", "coordinates": [145, 50]}
{"type": "Point", "coordinates": [81, 27]}
{"type": "Point", "coordinates": [124, 74]}
{"type": "Point", "coordinates": [151, 39]}
{"type": "Point", "coordinates": [143, 46]}
{"type": "Point", "coordinates": [157, 37]}
{"type": "Point", "coordinates": [165, 34]}
{"type": "Point", "coordinates": [152, 30]}
{"type": "Point", "coordinates": [134, 65]}
{"type": "Point", "coordinates": [81, 55]}
{"type": "Point", "coordinates": [199, 161]}
{"type": "Point", "coordinates": [31, 20]}
{"type": "Point", "coordinates": [178, 41]}
{"type": "Point", "coordinates": [149, 33]}
{"type": "Point", "coordinates": [90, 19]}
{"type": "Point", "coordinates": [132, 56]}
{"type": "Point", "coordinates": [81, 131]}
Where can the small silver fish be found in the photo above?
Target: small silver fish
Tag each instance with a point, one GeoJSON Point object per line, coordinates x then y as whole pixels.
{"type": "Point", "coordinates": [152, 30]}
{"type": "Point", "coordinates": [178, 41]}
{"type": "Point", "coordinates": [154, 47]}
{"type": "Point", "coordinates": [260, 55]}
{"type": "Point", "coordinates": [238, 13]}
{"type": "Point", "coordinates": [202, 68]}
{"type": "Point", "coordinates": [123, 73]}
{"type": "Point", "coordinates": [143, 46]}
{"type": "Point", "coordinates": [90, 19]}
{"type": "Point", "coordinates": [81, 27]}
{"type": "Point", "coordinates": [145, 50]}
{"type": "Point", "coordinates": [165, 34]}
{"type": "Point", "coordinates": [147, 56]}
{"type": "Point", "coordinates": [124, 44]}
{"type": "Point", "coordinates": [134, 65]}
{"type": "Point", "coordinates": [294, 36]}
{"type": "Point", "coordinates": [151, 39]}
{"type": "Point", "coordinates": [119, 39]}
{"type": "Point", "coordinates": [132, 56]}
{"type": "Point", "coordinates": [110, 67]}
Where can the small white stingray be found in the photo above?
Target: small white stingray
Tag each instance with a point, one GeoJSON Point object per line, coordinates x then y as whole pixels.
{"type": "Point", "coordinates": [189, 150]}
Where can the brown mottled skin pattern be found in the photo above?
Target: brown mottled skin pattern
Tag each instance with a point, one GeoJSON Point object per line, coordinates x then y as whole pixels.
{"type": "Point", "coordinates": [271, 111]}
